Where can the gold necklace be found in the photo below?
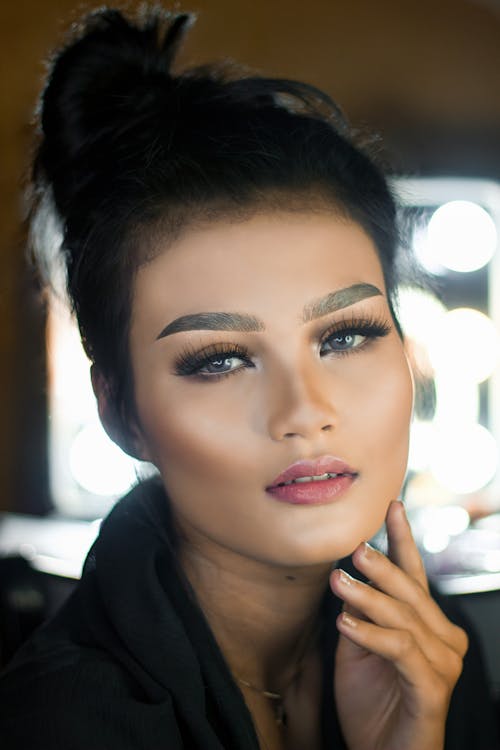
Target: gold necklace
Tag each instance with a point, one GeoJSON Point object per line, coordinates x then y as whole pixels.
{"type": "Point", "coordinates": [280, 714]}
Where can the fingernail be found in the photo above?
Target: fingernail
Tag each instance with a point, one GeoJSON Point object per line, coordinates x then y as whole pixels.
{"type": "Point", "coordinates": [347, 620]}
{"type": "Point", "coordinates": [345, 578]}
{"type": "Point", "coordinates": [368, 550]}
{"type": "Point", "coordinates": [402, 509]}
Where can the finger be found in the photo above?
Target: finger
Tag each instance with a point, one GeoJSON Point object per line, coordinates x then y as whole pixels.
{"type": "Point", "coordinates": [401, 649]}
{"type": "Point", "coordinates": [399, 585]}
{"type": "Point", "coordinates": [377, 606]}
{"type": "Point", "coordinates": [403, 550]}
{"type": "Point", "coordinates": [347, 649]}
{"type": "Point", "coordinates": [390, 613]}
{"type": "Point", "coordinates": [352, 610]}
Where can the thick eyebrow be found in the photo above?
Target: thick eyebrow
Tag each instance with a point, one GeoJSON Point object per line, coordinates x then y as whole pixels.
{"type": "Point", "coordinates": [338, 300]}
{"type": "Point", "coordinates": [225, 321]}
{"type": "Point", "coordinates": [213, 321]}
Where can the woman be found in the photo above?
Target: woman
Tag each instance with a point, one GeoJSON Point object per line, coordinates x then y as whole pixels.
{"type": "Point", "coordinates": [230, 258]}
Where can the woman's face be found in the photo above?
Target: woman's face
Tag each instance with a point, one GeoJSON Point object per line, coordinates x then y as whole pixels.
{"type": "Point", "coordinates": [305, 362]}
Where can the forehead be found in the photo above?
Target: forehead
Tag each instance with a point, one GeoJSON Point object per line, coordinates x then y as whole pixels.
{"type": "Point", "coordinates": [251, 264]}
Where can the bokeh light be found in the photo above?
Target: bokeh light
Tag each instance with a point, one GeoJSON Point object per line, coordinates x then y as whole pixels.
{"type": "Point", "coordinates": [491, 561]}
{"type": "Point", "coordinates": [457, 398]}
{"type": "Point", "coordinates": [454, 519]}
{"type": "Point", "coordinates": [420, 312]}
{"type": "Point", "coordinates": [461, 236]}
{"type": "Point", "coordinates": [421, 439]}
{"type": "Point", "coordinates": [464, 457]}
{"type": "Point", "coordinates": [424, 252]}
{"type": "Point", "coordinates": [464, 343]}
{"type": "Point", "coordinates": [98, 465]}
{"type": "Point", "coordinates": [435, 540]}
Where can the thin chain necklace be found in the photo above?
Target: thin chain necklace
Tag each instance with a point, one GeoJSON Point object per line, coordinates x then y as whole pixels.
{"type": "Point", "coordinates": [280, 714]}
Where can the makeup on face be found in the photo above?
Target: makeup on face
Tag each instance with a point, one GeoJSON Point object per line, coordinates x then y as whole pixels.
{"type": "Point", "coordinates": [313, 482]}
{"type": "Point", "coordinates": [225, 321]}
{"type": "Point", "coordinates": [346, 335]}
{"type": "Point", "coordinates": [261, 345]}
{"type": "Point", "coordinates": [343, 337]}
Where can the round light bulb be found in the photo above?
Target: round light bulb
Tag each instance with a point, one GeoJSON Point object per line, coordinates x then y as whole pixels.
{"type": "Point", "coordinates": [465, 345]}
{"type": "Point", "coordinates": [462, 236]}
{"type": "Point", "coordinates": [464, 457]}
{"type": "Point", "coordinates": [435, 540]}
{"type": "Point", "coordinates": [425, 253]}
{"type": "Point", "coordinates": [419, 313]}
{"type": "Point", "coordinates": [98, 465]}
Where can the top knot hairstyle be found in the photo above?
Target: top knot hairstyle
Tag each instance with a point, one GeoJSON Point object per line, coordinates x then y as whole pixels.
{"type": "Point", "coordinates": [131, 153]}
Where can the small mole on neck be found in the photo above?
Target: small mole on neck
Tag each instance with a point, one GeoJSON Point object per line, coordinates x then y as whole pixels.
{"type": "Point", "coordinates": [290, 578]}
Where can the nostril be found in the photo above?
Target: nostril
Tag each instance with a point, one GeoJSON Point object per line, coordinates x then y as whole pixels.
{"type": "Point", "coordinates": [327, 427]}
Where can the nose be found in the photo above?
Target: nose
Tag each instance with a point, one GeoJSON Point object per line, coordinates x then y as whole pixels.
{"type": "Point", "coordinates": [301, 405]}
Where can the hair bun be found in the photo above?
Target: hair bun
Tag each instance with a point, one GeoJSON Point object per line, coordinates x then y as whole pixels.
{"type": "Point", "coordinates": [100, 86]}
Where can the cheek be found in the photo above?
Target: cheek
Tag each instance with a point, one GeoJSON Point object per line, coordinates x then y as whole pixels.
{"type": "Point", "coordinates": [207, 458]}
{"type": "Point", "coordinates": [377, 430]}
{"type": "Point", "coordinates": [195, 435]}
{"type": "Point", "coordinates": [386, 415]}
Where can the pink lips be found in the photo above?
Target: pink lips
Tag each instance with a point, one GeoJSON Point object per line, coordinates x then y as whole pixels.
{"type": "Point", "coordinates": [314, 492]}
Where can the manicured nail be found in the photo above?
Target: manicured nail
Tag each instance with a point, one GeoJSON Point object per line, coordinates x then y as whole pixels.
{"type": "Point", "coordinates": [347, 620]}
{"type": "Point", "coordinates": [345, 578]}
{"type": "Point", "coordinates": [368, 550]}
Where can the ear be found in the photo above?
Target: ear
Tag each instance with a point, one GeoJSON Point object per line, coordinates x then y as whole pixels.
{"type": "Point", "coordinates": [128, 437]}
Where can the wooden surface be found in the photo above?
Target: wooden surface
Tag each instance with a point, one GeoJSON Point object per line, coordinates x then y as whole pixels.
{"type": "Point", "coordinates": [425, 73]}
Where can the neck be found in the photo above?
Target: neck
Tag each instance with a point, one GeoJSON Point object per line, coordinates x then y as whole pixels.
{"type": "Point", "coordinates": [264, 617]}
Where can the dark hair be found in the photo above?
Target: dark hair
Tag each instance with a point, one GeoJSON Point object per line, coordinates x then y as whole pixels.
{"type": "Point", "coordinates": [131, 152]}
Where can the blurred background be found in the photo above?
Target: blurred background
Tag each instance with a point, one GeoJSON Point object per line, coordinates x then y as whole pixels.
{"type": "Point", "coordinates": [425, 76]}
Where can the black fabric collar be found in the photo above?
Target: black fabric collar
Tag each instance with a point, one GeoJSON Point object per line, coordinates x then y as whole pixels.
{"type": "Point", "coordinates": [131, 578]}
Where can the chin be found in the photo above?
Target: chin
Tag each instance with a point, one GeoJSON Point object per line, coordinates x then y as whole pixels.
{"type": "Point", "coordinates": [334, 542]}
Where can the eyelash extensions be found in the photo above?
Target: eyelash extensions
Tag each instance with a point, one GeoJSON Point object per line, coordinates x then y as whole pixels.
{"type": "Point", "coordinates": [190, 361]}
{"type": "Point", "coordinates": [370, 328]}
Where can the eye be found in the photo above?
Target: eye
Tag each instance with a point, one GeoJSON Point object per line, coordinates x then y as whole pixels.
{"type": "Point", "coordinates": [214, 361]}
{"type": "Point", "coordinates": [220, 365]}
{"type": "Point", "coordinates": [352, 335]}
{"type": "Point", "coordinates": [343, 342]}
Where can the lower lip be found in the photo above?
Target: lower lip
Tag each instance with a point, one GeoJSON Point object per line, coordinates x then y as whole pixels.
{"type": "Point", "coordinates": [313, 493]}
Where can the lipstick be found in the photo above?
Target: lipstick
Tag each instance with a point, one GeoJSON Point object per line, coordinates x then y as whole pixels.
{"type": "Point", "coordinates": [313, 482]}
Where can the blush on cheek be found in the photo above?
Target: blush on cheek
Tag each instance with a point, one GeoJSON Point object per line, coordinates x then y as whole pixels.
{"type": "Point", "coordinates": [193, 453]}
{"type": "Point", "coordinates": [389, 423]}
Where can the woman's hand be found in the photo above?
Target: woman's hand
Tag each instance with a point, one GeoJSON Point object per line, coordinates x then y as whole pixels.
{"type": "Point", "coordinates": [398, 656]}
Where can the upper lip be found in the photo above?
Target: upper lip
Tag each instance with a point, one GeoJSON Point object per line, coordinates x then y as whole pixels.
{"type": "Point", "coordinates": [313, 467]}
